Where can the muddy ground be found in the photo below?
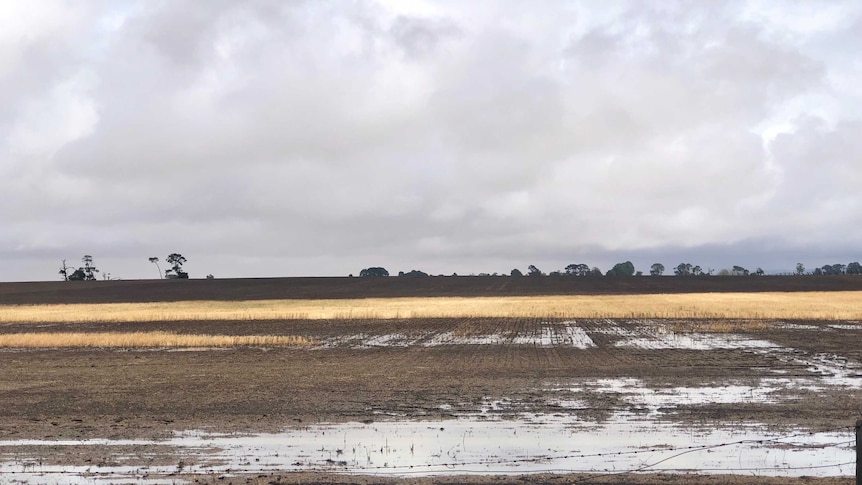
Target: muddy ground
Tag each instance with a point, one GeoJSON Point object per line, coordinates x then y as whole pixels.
{"type": "Point", "coordinates": [370, 371]}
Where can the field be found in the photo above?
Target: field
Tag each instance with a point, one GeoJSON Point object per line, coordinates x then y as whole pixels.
{"type": "Point", "coordinates": [417, 381]}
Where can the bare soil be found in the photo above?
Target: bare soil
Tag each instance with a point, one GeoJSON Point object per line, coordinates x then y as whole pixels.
{"type": "Point", "coordinates": [136, 291]}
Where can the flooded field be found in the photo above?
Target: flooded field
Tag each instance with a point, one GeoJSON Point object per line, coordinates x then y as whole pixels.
{"type": "Point", "coordinates": [441, 397]}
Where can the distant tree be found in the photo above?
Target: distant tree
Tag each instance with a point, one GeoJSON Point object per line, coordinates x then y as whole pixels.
{"type": "Point", "coordinates": [555, 273]}
{"type": "Point", "coordinates": [854, 268]}
{"type": "Point", "coordinates": [833, 269]}
{"type": "Point", "coordinates": [534, 271]}
{"type": "Point", "coordinates": [413, 272]}
{"type": "Point", "coordinates": [595, 271]}
{"type": "Point", "coordinates": [64, 271]}
{"type": "Point", "coordinates": [657, 269]}
{"type": "Point", "coordinates": [759, 272]}
{"type": "Point", "coordinates": [89, 268]}
{"type": "Point", "coordinates": [516, 272]}
{"type": "Point", "coordinates": [577, 270]}
{"type": "Point", "coordinates": [210, 277]}
{"type": "Point", "coordinates": [176, 260]}
{"type": "Point", "coordinates": [800, 269]}
{"type": "Point", "coordinates": [622, 269]}
{"type": "Point", "coordinates": [696, 271]}
{"type": "Point", "coordinates": [78, 275]}
{"type": "Point", "coordinates": [739, 271]}
{"type": "Point", "coordinates": [374, 271]}
{"type": "Point", "coordinates": [155, 261]}
{"type": "Point", "coordinates": [724, 272]}
{"type": "Point", "coordinates": [818, 271]}
{"type": "Point", "coordinates": [683, 269]}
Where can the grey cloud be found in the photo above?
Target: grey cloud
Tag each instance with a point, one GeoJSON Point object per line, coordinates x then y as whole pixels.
{"type": "Point", "coordinates": [273, 138]}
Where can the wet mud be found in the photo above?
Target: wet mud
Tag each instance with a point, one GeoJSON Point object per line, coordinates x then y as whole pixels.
{"type": "Point", "coordinates": [408, 398]}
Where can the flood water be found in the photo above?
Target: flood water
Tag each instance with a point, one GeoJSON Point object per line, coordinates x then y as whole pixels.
{"type": "Point", "coordinates": [476, 445]}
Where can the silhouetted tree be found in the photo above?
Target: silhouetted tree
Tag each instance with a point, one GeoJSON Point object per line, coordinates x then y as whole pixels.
{"type": "Point", "coordinates": [176, 260]}
{"type": "Point", "coordinates": [854, 268]}
{"type": "Point", "coordinates": [759, 271]}
{"type": "Point", "coordinates": [739, 271]}
{"type": "Point", "coordinates": [374, 271]}
{"type": "Point", "coordinates": [622, 269]}
{"type": "Point", "coordinates": [595, 271]}
{"type": "Point", "coordinates": [833, 269]}
{"type": "Point", "coordinates": [155, 261]}
{"type": "Point", "coordinates": [516, 272]}
{"type": "Point", "coordinates": [78, 275]}
{"type": "Point", "coordinates": [800, 269]}
{"type": "Point", "coordinates": [64, 271]}
{"type": "Point", "coordinates": [578, 270]}
{"type": "Point", "coordinates": [534, 271]}
{"type": "Point", "coordinates": [683, 269]}
{"type": "Point", "coordinates": [89, 268]}
{"type": "Point", "coordinates": [657, 269]}
{"type": "Point", "coordinates": [413, 272]}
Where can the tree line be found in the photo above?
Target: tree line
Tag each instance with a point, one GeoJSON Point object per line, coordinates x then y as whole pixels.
{"type": "Point", "coordinates": [627, 268]}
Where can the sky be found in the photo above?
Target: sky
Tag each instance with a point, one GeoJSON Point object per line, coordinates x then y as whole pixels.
{"type": "Point", "coordinates": [270, 138]}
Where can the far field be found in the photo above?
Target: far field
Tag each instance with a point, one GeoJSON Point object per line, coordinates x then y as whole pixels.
{"type": "Point", "coordinates": [782, 357]}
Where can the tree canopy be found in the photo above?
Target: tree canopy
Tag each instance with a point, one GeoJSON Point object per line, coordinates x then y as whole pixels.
{"type": "Point", "coordinates": [374, 271]}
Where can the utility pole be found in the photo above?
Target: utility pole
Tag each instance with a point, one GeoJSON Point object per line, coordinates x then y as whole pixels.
{"type": "Point", "coordinates": [859, 452]}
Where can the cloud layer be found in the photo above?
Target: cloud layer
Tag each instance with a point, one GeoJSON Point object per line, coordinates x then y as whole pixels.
{"type": "Point", "coordinates": [313, 138]}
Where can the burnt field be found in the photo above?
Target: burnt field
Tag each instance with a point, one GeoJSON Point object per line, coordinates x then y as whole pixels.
{"type": "Point", "coordinates": [478, 399]}
{"type": "Point", "coordinates": [136, 291]}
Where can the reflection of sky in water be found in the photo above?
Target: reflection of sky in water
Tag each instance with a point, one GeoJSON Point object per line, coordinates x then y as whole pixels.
{"type": "Point", "coordinates": [533, 443]}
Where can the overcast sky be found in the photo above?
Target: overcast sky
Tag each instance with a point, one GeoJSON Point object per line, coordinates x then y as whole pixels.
{"type": "Point", "coordinates": [318, 138]}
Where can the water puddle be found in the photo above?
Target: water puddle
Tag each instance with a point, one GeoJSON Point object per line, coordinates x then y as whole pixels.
{"type": "Point", "coordinates": [563, 334]}
{"type": "Point", "coordinates": [530, 444]}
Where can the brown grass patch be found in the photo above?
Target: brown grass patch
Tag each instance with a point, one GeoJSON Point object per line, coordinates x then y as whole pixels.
{"type": "Point", "coordinates": [843, 305]}
{"type": "Point", "coordinates": [142, 339]}
{"type": "Point", "coordinates": [720, 326]}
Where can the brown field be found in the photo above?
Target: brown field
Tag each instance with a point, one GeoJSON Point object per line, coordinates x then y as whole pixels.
{"type": "Point", "coordinates": [315, 367]}
{"type": "Point", "coordinates": [140, 291]}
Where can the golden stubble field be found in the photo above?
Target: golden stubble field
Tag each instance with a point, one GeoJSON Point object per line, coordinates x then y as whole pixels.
{"type": "Point", "coordinates": [845, 305]}
{"type": "Point", "coordinates": [717, 308]}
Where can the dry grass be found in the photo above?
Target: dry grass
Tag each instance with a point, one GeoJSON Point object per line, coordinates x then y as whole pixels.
{"type": "Point", "coordinates": [720, 326]}
{"type": "Point", "coordinates": [142, 339]}
{"type": "Point", "coordinates": [846, 305]}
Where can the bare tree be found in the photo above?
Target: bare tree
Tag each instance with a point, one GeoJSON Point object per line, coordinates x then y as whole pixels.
{"type": "Point", "coordinates": [64, 271]}
{"type": "Point", "coordinates": [155, 261]}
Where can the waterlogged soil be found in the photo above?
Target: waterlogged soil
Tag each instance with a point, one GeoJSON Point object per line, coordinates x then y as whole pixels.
{"type": "Point", "coordinates": [793, 376]}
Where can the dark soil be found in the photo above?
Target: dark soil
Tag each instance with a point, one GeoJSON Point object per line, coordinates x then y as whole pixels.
{"type": "Point", "coordinates": [335, 288]}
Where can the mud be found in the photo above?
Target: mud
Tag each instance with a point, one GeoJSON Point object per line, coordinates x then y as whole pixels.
{"type": "Point", "coordinates": [772, 379]}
